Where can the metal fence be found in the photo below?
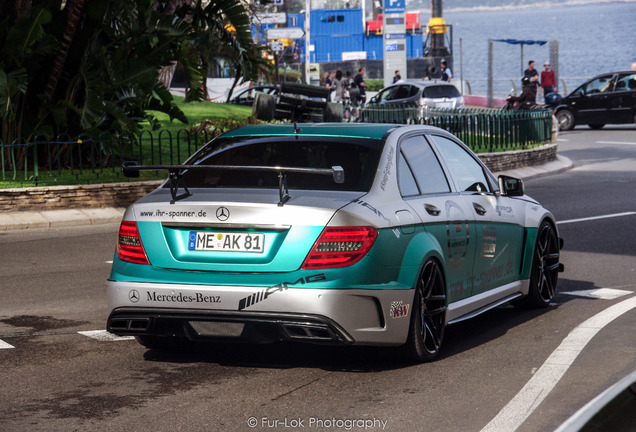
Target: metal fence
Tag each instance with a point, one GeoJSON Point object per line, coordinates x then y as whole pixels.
{"type": "Point", "coordinates": [67, 160]}
{"type": "Point", "coordinates": [483, 130]}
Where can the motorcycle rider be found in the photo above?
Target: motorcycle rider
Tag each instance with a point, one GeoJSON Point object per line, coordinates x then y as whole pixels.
{"type": "Point", "coordinates": [527, 98]}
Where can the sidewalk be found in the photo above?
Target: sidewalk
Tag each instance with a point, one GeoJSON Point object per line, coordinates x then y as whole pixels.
{"type": "Point", "coordinates": [12, 221]}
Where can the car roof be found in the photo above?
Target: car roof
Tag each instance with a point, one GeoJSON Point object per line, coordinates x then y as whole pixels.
{"type": "Point", "coordinates": [425, 83]}
{"type": "Point", "coordinates": [612, 74]}
{"type": "Point", "coordinates": [349, 130]}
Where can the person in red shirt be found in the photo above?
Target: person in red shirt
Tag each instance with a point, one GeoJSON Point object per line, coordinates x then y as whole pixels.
{"type": "Point", "coordinates": [548, 80]}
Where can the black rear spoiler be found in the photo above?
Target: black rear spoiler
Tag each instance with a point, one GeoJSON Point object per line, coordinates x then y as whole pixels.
{"type": "Point", "coordinates": [131, 169]}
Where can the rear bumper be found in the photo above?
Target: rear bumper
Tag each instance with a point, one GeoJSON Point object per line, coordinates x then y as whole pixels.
{"type": "Point", "coordinates": [200, 312]}
{"type": "Point", "coordinates": [218, 325]}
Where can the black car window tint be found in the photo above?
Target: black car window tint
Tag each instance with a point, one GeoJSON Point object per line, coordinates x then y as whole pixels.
{"type": "Point", "coordinates": [392, 95]}
{"type": "Point", "coordinates": [414, 90]}
{"type": "Point", "coordinates": [359, 160]}
{"type": "Point", "coordinates": [406, 181]}
{"type": "Point", "coordinates": [403, 92]}
{"type": "Point", "coordinates": [426, 168]}
{"type": "Point", "coordinates": [466, 171]}
{"type": "Point", "coordinates": [445, 91]}
{"type": "Point", "coordinates": [626, 82]}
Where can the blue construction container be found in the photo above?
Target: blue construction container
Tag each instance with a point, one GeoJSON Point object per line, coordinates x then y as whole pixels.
{"type": "Point", "coordinates": [330, 48]}
{"type": "Point", "coordinates": [328, 22]}
{"type": "Point", "coordinates": [334, 31]}
{"type": "Point", "coordinates": [374, 46]}
{"type": "Point", "coordinates": [414, 45]}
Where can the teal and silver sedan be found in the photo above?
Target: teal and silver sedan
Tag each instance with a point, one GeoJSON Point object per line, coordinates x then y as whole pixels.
{"type": "Point", "coordinates": [350, 234]}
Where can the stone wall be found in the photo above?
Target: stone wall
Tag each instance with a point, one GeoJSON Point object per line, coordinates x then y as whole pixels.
{"type": "Point", "coordinates": [503, 161]}
{"type": "Point", "coordinates": [123, 194]}
{"type": "Point", "coordinates": [82, 196]}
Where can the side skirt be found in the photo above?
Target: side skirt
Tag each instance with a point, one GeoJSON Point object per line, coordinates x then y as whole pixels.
{"type": "Point", "coordinates": [473, 306]}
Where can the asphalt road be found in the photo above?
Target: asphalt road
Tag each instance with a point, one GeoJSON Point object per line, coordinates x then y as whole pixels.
{"type": "Point", "coordinates": [505, 370]}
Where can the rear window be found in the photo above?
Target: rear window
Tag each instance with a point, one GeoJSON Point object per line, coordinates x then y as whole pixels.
{"type": "Point", "coordinates": [445, 91]}
{"type": "Point", "coordinates": [359, 158]}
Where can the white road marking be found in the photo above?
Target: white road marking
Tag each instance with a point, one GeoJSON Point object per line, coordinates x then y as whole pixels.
{"type": "Point", "coordinates": [615, 142]}
{"type": "Point", "coordinates": [109, 262]}
{"type": "Point", "coordinates": [596, 218]}
{"type": "Point", "coordinates": [104, 336]}
{"type": "Point", "coordinates": [546, 378]}
{"type": "Point", "coordinates": [4, 345]}
{"type": "Point", "coordinates": [600, 293]}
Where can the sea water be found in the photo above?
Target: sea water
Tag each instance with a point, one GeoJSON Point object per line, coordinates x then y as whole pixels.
{"type": "Point", "coordinates": [593, 38]}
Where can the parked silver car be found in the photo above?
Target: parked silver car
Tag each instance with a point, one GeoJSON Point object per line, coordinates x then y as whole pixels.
{"type": "Point", "coordinates": [427, 94]}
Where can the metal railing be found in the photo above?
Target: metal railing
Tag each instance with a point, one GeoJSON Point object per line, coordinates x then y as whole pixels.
{"type": "Point", "coordinates": [483, 130]}
{"type": "Point", "coordinates": [67, 160]}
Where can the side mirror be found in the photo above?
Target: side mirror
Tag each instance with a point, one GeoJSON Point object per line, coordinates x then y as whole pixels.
{"type": "Point", "coordinates": [374, 99]}
{"type": "Point", "coordinates": [510, 186]}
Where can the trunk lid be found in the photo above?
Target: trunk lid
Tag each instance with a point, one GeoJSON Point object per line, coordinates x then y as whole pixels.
{"type": "Point", "coordinates": [231, 230]}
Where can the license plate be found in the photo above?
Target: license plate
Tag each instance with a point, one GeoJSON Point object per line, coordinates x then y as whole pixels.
{"type": "Point", "coordinates": [226, 242]}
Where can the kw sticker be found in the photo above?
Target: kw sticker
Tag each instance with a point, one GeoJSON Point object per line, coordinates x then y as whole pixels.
{"type": "Point", "coordinates": [398, 309]}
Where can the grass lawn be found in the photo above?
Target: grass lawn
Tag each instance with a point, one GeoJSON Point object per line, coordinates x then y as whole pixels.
{"type": "Point", "coordinates": [198, 112]}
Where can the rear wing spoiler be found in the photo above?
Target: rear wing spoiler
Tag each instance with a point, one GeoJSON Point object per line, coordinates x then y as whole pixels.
{"type": "Point", "coordinates": [131, 169]}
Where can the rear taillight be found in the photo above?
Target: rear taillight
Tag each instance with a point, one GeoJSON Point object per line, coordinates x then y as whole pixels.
{"type": "Point", "coordinates": [129, 247]}
{"type": "Point", "coordinates": [340, 247]}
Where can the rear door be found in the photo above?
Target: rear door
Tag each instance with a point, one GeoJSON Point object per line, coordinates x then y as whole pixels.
{"type": "Point", "coordinates": [445, 215]}
{"type": "Point", "coordinates": [623, 106]}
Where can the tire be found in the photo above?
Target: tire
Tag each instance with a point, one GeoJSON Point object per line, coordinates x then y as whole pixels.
{"type": "Point", "coordinates": [428, 315]}
{"type": "Point", "coordinates": [566, 120]}
{"type": "Point", "coordinates": [596, 126]}
{"type": "Point", "coordinates": [163, 343]}
{"type": "Point", "coordinates": [333, 112]}
{"type": "Point", "coordinates": [264, 106]}
{"type": "Point", "coordinates": [544, 272]}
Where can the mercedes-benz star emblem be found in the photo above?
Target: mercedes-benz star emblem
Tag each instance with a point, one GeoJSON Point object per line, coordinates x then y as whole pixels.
{"type": "Point", "coordinates": [222, 214]}
{"type": "Point", "coordinates": [133, 296]}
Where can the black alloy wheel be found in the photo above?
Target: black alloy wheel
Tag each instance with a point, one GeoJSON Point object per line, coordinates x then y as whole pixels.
{"type": "Point", "coordinates": [428, 317]}
{"type": "Point", "coordinates": [545, 268]}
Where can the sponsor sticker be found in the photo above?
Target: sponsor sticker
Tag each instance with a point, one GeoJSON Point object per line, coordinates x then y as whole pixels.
{"type": "Point", "coordinates": [398, 309]}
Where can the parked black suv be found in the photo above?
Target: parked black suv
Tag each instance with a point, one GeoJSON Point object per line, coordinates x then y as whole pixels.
{"type": "Point", "coordinates": [606, 99]}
